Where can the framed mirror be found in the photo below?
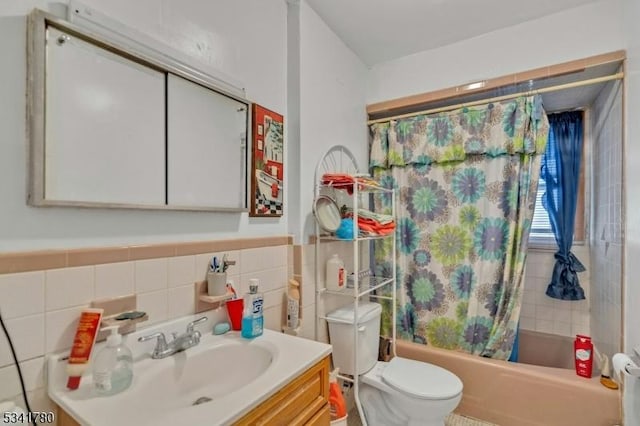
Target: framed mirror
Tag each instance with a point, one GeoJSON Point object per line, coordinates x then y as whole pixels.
{"type": "Point", "coordinates": [111, 127]}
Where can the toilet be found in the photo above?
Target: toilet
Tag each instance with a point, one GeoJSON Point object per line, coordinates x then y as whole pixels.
{"type": "Point", "coordinates": [399, 392]}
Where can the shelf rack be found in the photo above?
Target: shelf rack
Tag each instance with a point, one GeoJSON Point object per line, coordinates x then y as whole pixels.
{"type": "Point", "coordinates": [339, 159]}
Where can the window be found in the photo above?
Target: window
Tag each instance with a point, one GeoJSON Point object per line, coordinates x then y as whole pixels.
{"type": "Point", "coordinates": [541, 232]}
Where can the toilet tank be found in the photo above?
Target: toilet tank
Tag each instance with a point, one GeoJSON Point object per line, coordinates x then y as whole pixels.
{"type": "Point", "coordinates": [341, 323]}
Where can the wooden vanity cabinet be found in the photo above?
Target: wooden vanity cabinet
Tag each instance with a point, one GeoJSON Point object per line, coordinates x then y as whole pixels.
{"type": "Point", "coordinates": [304, 401]}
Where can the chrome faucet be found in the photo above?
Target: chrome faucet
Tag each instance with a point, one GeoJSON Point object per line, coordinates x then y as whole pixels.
{"type": "Point", "coordinates": [179, 343]}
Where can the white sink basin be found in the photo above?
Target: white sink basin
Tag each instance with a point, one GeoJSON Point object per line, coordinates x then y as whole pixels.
{"type": "Point", "coordinates": [205, 372]}
{"type": "Point", "coordinates": [215, 382]}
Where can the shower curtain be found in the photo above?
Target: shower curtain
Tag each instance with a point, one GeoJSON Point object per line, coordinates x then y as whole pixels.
{"type": "Point", "coordinates": [466, 182]}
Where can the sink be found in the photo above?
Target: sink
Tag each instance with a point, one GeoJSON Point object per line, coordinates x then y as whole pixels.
{"type": "Point", "coordinates": [210, 373]}
{"type": "Point", "coordinates": [216, 382]}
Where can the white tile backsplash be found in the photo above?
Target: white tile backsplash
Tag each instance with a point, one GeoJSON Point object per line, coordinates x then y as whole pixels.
{"type": "Point", "coordinates": [60, 328]}
{"type": "Point", "coordinates": [115, 279]}
{"type": "Point", "coordinates": [155, 304]}
{"type": "Point", "coordinates": [273, 318]}
{"type": "Point", "coordinates": [181, 301]}
{"type": "Point", "coordinates": [274, 298]}
{"type": "Point", "coordinates": [259, 259]}
{"type": "Point", "coordinates": [151, 275]}
{"type": "Point", "coordinates": [27, 335]}
{"type": "Point", "coordinates": [182, 270]}
{"type": "Point", "coordinates": [33, 375]}
{"type": "Point", "coordinates": [69, 287]}
{"type": "Point", "coordinates": [42, 308]}
{"type": "Point", "coordinates": [270, 279]}
{"type": "Point", "coordinates": [21, 294]}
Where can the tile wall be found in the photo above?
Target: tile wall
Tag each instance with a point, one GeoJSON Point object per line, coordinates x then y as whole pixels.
{"type": "Point", "coordinates": [327, 303]}
{"type": "Point", "coordinates": [41, 308]}
{"type": "Point", "coordinates": [607, 231]}
{"type": "Point", "coordinates": [545, 314]}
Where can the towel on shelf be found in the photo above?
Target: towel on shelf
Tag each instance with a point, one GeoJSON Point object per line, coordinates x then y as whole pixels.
{"type": "Point", "coordinates": [345, 181]}
{"type": "Point", "coordinates": [372, 223]}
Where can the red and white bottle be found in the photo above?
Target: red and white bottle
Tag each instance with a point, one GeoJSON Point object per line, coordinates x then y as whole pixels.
{"type": "Point", "coordinates": [335, 273]}
{"type": "Point", "coordinates": [583, 354]}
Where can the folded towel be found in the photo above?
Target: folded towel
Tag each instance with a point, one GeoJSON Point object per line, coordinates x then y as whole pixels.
{"type": "Point", "coordinates": [345, 181]}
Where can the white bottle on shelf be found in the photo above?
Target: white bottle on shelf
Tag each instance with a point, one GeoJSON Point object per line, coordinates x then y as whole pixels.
{"type": "Point", "coordinates": [335, 273]}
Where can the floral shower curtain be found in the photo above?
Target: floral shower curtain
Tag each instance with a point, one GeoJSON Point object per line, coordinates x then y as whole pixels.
{"type": "Point", "coordinates": [466, 182]}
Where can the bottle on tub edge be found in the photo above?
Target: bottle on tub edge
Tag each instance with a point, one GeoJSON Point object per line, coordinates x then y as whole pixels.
{"type": "Point", "coordinates": [252, 319]}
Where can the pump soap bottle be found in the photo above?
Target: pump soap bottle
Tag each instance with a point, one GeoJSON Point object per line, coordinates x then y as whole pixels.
{"type": "Point", "coordinates": [113, 365]}
{"type": "Point", "coordinates": [252, 319]}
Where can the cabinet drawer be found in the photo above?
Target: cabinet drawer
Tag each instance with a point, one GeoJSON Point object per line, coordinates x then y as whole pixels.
{"type": "Point", "coordinates": [321, 418]}
{"type": "Point", "coordinates": [298, 403]}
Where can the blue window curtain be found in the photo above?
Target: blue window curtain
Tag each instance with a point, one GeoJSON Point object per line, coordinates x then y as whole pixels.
{"type": "Point", "coordinates": [561, 172]}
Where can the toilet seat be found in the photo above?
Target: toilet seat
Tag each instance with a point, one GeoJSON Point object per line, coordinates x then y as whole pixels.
{"type": "Point", "coordinates": [421, 380]}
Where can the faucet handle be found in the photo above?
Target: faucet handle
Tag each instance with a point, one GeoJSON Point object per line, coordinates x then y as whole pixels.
{"type": "Point", "coordinates": [161, 344]}
{"type": "Point", "coordinates": [193, 323]}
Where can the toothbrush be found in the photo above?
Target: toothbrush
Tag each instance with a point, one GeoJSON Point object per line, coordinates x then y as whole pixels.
{"type": "Point", "coordinates": [232, 291]}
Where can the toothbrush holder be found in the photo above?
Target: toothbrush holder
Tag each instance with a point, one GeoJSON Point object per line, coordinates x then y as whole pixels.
{"type": "Point", "coordinates": [216, 283]}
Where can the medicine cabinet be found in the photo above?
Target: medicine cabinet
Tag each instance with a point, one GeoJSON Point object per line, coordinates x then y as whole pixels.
{"type": "Point", "coordinates": [110, 127]}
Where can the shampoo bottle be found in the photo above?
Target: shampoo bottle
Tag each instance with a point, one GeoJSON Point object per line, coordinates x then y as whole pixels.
{"type": "Point", "coordinates": [252, 320]}
{"type": "Point", "coordinates": [113, 366]}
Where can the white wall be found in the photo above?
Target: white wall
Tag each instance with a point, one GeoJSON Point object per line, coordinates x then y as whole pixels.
{"type": "Point", "coordinates": [244, 39]}
{"type": "Point", "coordinates": [573, 34]}
{"type": "Point", "coordinates": [631, 166]}
{"type": "Point", "coordinates": [332, 103]}
{"type": "Point", "coordinates": [326, 84]}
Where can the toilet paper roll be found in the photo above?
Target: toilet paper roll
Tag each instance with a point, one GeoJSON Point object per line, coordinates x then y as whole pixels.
{"type": "Point", "coordinates": [624, 366]}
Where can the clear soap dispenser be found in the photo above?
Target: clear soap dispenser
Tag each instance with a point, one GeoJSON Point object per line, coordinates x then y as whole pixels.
{"type": "Point", "coordinates": [113, 365]}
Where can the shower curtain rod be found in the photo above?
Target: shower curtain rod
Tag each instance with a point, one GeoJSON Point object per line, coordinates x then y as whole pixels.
{"type": "Point", "coordinates": [616, 76]}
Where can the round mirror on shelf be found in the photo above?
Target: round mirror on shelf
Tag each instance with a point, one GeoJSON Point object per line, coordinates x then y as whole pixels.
{"type": "Point", "coordinates": [327, 213]}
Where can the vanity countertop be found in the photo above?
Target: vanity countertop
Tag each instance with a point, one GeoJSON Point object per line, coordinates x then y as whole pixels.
{"type": "Point", "coordinates": [163, 391]}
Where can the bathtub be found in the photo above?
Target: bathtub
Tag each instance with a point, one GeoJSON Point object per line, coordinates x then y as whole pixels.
{"type": "Point", "coordinates": [519, 394]}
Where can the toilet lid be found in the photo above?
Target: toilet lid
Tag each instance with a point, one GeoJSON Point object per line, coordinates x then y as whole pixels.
{"type": "Point", "coordinates": [421, 380]}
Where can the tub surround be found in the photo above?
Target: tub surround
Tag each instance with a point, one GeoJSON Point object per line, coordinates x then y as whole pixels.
{"type": "Point", "coordinates": [544, 314]}
{"type": "Point", "coordinates": [514, 394]}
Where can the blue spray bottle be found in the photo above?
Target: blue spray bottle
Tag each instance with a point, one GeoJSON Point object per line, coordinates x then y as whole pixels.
{"type": "Point", "coordinates": [252, 319]}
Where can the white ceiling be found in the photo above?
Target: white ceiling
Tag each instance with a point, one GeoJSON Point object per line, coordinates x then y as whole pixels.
{"type": "Point", "coordinates": [381, 30]}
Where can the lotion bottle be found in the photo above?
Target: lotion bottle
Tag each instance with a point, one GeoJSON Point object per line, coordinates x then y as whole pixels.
{"type": "Point", "coordinates": [293, 304]}
{"type": "Point", "coordinates": [252, 319]}
{"type": "Point", "coordinates": [113, 365]}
